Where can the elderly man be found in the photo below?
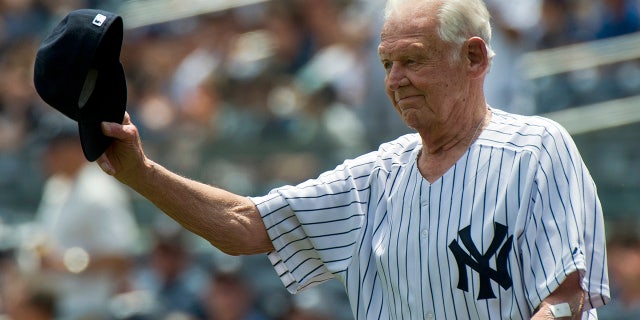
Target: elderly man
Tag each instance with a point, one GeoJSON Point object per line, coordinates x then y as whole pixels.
{"type": "Point", "coordinates": [479, 214]}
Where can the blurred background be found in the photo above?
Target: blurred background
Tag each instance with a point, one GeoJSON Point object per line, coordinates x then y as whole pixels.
{"type": "Point", "coordinates": [249, 95]}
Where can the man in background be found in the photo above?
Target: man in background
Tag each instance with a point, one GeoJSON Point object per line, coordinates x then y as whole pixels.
{"type": "Point", "coordinates": [89, 232]}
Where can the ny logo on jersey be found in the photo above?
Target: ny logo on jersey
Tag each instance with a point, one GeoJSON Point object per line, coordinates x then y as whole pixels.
{"type": "Point", "coordinates": [480, 262]}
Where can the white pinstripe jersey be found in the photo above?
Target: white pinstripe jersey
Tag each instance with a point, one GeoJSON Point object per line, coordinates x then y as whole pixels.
{"type": "Point", "coordinates": [490, 239]}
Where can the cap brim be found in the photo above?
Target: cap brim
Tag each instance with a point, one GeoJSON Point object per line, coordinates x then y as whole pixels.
{"type": "Point", "coordinates": [94, 143]}
{"type": "Point", "coordinates": [110, 99]}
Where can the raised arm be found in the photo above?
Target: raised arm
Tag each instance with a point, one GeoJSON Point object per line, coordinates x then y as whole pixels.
{"type": "Point", "coordinates": [228, 221]}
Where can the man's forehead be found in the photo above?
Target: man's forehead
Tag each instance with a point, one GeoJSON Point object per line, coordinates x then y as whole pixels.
{"type": "Point", "coordinates": [412, 36]}
{"type": "Point", "coordinates": [413, 40]}
{"type": "Point", "coordinates": [395, 49]}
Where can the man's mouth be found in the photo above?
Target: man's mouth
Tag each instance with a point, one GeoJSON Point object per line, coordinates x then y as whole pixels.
{"type": "Point", "coordinates": [405, 98]}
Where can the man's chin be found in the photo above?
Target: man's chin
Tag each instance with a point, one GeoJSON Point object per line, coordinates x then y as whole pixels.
{"type": "Point", "coordinates": [410, 119]}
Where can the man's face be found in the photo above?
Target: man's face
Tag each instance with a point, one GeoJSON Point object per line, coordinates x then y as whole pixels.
{"type": "Point", "coordinates": [422, 80]}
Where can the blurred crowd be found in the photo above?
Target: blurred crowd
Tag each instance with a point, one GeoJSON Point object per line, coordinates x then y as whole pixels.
{"type": "Point", "coordinates": [248, 99]}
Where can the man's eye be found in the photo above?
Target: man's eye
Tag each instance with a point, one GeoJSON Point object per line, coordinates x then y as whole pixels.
{"type": "Point", "coordinates": [387, 65]}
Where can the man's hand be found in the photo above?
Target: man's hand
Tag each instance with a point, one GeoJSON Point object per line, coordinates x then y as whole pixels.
{"type": "Point", "coordinates": [125, 154]}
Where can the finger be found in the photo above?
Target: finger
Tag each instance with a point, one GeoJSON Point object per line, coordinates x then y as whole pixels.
{"type": "Point", "coordinates": [105, 164]}
{"type": "Point", "coordinates": [109, 129]}
{"type": "Point", "coordinates": [114, 130]}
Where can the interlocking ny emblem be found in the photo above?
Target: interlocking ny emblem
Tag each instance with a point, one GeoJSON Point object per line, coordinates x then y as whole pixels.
{"type": "Point", "coordinates": [480, 262]}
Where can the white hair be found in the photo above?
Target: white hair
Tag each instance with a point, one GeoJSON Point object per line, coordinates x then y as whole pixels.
{"type": "Point", "coordinates": [459, 20]}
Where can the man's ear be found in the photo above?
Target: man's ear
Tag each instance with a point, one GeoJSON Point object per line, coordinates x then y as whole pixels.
{"type": "Point", "coordinates": [477, 57]}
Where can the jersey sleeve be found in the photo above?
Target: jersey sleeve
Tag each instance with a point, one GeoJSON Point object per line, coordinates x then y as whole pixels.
{"type": "Point", "coordinates": [564, 232]}
{"type": "Point", "coordinates": [315, 226]}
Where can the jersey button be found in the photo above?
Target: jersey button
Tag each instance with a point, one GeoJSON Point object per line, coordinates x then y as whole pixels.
{"type": "Point", "coordinates": [429, 316]}
{"type": "Point", "coordinates": [424, 233]}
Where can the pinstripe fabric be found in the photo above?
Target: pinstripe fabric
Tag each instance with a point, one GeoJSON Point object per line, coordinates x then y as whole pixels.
{"type": "Point", "coordinates": [403, 247]}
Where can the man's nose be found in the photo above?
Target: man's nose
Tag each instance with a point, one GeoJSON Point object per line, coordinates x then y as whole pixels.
{"type": "Point", "coordinates": [396, 77]}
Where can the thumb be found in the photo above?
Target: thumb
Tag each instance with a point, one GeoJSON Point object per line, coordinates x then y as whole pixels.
{"type": "Point", "coordinates": [113, 130]}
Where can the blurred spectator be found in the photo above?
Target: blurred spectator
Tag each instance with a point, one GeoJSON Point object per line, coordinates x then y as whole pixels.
{"type": "Point", "coordinates": [17, 97]}
{"type": "Point", "coordinates": [623, 251]}
{"type": "Point", "coordinates": [171, 275]}
{"type": "Point", "coordinates": [35, 305]}
{"type": "Point", "coordinates": [89, 232]}
{"type": "Point", "coordinates": [302, 314]}
{"type": "Point", "coordinates": [514, 34]}
{"type": "Point", "coordinates": [231, 298]}
{"type": "Point", "coordinates": [558, 25]}
{"type": "Point", "coordinates": [619, 17]}
{"type": "Point", "coordinates": [22, 296]}
{"type": "Point", "coordinates": [21, 19]}
{"type": "Point", "coordinates": [293, 44]}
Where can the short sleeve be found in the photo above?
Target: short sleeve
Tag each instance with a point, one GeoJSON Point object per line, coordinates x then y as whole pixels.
{"type": "Point", "coordinates": [315, 226]}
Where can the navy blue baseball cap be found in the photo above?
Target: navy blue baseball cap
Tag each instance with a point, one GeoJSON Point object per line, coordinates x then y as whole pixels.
{"type": "Point", "coordinates": [78, 72]}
